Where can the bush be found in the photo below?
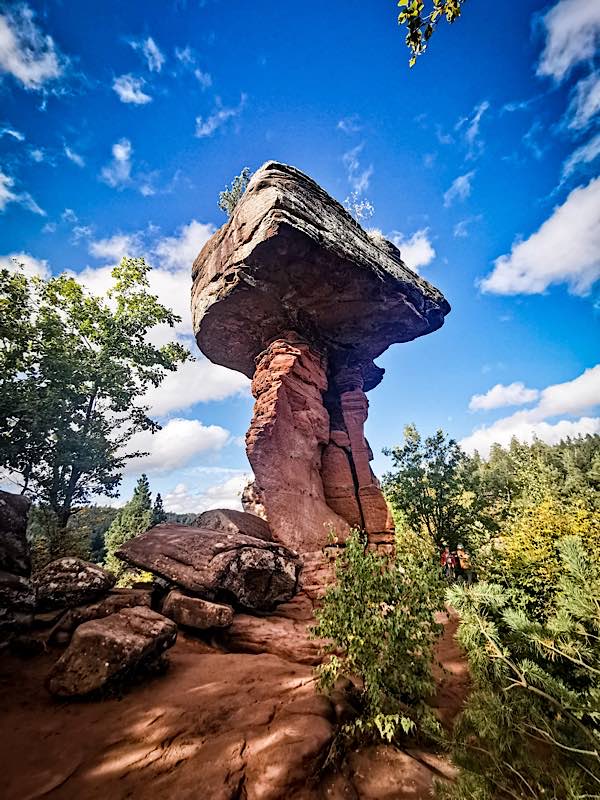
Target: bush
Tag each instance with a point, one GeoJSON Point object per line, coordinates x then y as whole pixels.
{"type": "Point", "coordinates": [230, 197]}
{"type": "Point", "coordinates": [379, 618]}
{"type": "Point", "coordinates": [536, 700]}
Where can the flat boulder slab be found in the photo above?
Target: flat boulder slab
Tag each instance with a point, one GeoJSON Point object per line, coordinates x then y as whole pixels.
{"type": "Point", "coordinates": [70, 582]}
{"type": "Point", "coordinates": [296, 295]}
{"type": "Point", "coordinates": [216, 565]}
{"type": "Point", "coordinates": [14, 549]}
{"type": "Point", "coordinates": [104, 649]}
{"type": "Point", "coordinates": [195, 612]}
{"type": "Point", "coordinates": [231, 521]}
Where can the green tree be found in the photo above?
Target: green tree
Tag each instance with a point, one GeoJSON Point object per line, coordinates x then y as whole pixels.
{"type": "Point", "coordinates": [434, 486]}
{"type": "Point", "coordinates": [230, 196]}
{"type": "Point", "coordinates": [134, 518]}
{"type": "Point", "coordinates": [73, 368]}
{"type": "Point", "coordinates": [536, 697]}
{"type": "Point", "coordinates": [158, 513]}
{"type": "Point", "coordinates": [421, 24]}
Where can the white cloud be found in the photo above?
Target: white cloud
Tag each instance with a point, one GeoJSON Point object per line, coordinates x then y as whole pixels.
{"type": "Point", "coordinates": [117, 173]}
{"type": "Point", "coordinates": [182, 500]}
{"type": "Point", "coordinates": [461, 229]}
{"type": "Point", "coordinates": [74, 157]}
{"type": "Point", "coordinates": [26, 53]}
{"type": "Point", "coordinates": [151, 52]}
{"type": "Point", "coordinates": [194, 382]}
{"type": "Point", "coordinates": [515, 394]}
{"type": "Point", "coordinates": [29, 264]}
{"type": "Point", "coordinates": [179, 251]}
{"type": "Point", "coordinates": [115, 247]}
{"type": "Point", "coordinates": [351, 124]}
{"type": "Point", "coordinates": [203, 78]}
{"type": "Point", "coordinates": [585, 102]}
{"type": "Point", "coordinates": [471, 126]}
{"type": "Point", "coordinates": [13, 133]}
{"type": "Point", "coordinates": [565, 249]}
{"type": "Point", "coordinates": [130, 90]}
{"type": "Point", "coordinates": [37, 155]}
{"type": "Point", "coordinates": [460, 188]}
{"type": "Point", "coordinates": [571, 398]}
{"type": "Point", "coordinates": [175, 445]}
{"type": "Point", "coordinates": [185, 55]}
{"type": "Point", "coordinates": [585, 154]}
{"type": "Point", "coordinates": [206, 126]}
{"type": "Point", "coordinates": [416, 250]}
{"type": "Point", "coordinates": [572, 34]}
{"type": "Point", "coordinates": [7, 195]}
{"type": "Point", "coordinates": [358, 178]}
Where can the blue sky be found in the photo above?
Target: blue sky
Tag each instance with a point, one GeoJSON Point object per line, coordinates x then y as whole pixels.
{"type": "Point", "coordinates": [121, 122]}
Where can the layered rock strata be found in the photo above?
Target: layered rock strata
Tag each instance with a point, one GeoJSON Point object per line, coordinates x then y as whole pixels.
{"type": "Point", "coordinates": [292, 292]}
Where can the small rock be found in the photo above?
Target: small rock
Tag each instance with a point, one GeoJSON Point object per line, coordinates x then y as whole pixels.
{"type": "Point", "coordinates": [103, 649]}
{"type": "Point", "coordinates": [229, 521]}
{"type": "Point", "coordinates": [194, 612]}
{"type": "Point", "coordinates": [70, 582]}
{"type": "Point", "coordinates": [115, 601]}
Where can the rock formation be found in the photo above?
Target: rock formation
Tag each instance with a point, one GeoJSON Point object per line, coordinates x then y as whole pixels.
{"type": "Point", "coordinates": [17, 598]}
{"type": "Point", "coordinates": [69, 582]}
{"type": "Point", "coordinates": [217, 565]}
{"type": "Point", "coordinates": [292, 292]}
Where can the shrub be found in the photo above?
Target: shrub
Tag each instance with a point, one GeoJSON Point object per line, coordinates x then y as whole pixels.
{"type": "Point", "coordinates": [536, 701]}
{"type": "Point", "coordinates": [230, 196]}
{"type": "Point", "coordinates": [379, 618]}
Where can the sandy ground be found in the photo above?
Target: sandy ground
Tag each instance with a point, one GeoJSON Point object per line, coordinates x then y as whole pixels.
{"type": "Point", "coordinates": [216, 725]}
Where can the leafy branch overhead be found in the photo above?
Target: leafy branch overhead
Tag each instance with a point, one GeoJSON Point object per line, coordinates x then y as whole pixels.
{"type": "Point", "coordinates": [421, 25]}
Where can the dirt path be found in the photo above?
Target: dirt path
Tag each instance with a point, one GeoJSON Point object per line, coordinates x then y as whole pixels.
{"type": "Point", "coordinates": [216, 726]}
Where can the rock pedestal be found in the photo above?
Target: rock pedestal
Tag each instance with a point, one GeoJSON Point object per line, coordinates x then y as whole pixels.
{"type": "Point", "coordinates": [292, 292]}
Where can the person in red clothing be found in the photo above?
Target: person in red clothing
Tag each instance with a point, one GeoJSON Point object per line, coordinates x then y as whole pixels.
{"type": "Point", "coordinates": [448, 563]}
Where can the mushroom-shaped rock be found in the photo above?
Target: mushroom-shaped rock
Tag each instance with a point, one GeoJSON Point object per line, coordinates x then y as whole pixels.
{"type": "Point", "coordinates": [217, 565]}
{"type": "Point", "coordinates": [232, 521]}
{"type": "Point", "coordinates": [103, 649]}
{"type": "Point", "coordinates": [292, 292]}
{"type": "Point", "coordinates": [70, 582]}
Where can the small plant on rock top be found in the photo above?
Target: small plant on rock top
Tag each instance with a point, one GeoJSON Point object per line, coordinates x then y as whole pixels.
{"type": "Point", "coordinates": [230, 196]}
{"type": "Point", "coordinates": [378, 618]}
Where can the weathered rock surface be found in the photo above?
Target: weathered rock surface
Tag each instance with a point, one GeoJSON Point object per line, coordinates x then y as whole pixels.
{"type": "Point", "coordinates": [116, 600]}
{"type": "Point", "coordinates": [105, 648]}
{"type": "Point", "coordinates": [194, 612]}
{"type": "Point", "coordinates": [295, 294]}
{"type": "Point", "coordinates": [14, 549]}
{"type": "Point", "coordinates": [70, 582]}
{"type": "Point", "coordinates": [216, 565]}
{"type": "Point", "coordinates": [230, 521]}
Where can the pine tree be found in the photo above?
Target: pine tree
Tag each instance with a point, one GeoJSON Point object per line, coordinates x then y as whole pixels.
{"type": "Point", "coordinates": [133, 519]}
{"type": "Point", "coordinates": [158, 513]}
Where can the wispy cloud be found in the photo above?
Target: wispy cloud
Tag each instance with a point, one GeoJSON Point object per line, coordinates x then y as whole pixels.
{"type": "Point", "coordinates": [26, 53]}
{"type": "Point", "coordinates": [351, 124]}
{"type": "Point", "coordinates": [12, 133]}
{"type": "Point", "coordinates": [8, 195]}
{"type": "Point", "coordinates": [130, 90]}
{"type": "Point", "coordinates": [358, 178]}
{"type": "Point", "coordinates": [74, 157]}
{"type": "Point", "coordinates": [585, 102]}
{"type": "Point", "coordinates": [206, 126]}
{"type": "Point", "coordinates": [461, 229]}
{"type": "Point", "coordinates": [151, 52]}
{"type": "Point", "coordinates": [470, 128]}
{"type": "Point", "coordinates": [572, 36]}
{"type": "Point", "coordinates": [585, 154]}
{"type": "Point", "coordinates": [460, 188]}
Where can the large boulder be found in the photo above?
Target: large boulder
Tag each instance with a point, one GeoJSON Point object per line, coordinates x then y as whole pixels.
{"type": "Point", "coordinates": [230, 521]}
{"type": "Point", "coordinates": [195, 612]}
{"type": "Point", "coordinates": [216, 565]}
{"type": "Point", "coordinates": [70, 582]}
{"type": "Point", "coordinates": [103, 649]}
{"type": "Point", "coordinates": [14, 549]}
